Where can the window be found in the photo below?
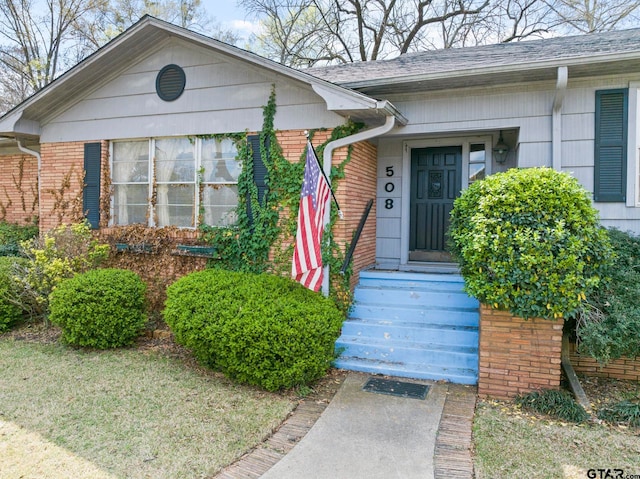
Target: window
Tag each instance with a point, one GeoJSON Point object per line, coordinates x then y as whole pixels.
{"type": "Point", "coordinates": [131, 182]}
{"type": "Point", "coordinates": [175, 167]}
{"type": "Point", "coordinates": [477, 163]}
{"type": "Point", "coordinates": [610, 166]}
{"type": "Point", "coordinates": [220, 181]}
{"type": "Point", "coordinates": [175, 182]}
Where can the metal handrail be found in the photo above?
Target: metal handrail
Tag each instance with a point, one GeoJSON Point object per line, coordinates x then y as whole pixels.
{"type": "Point", "coordinates": [363, 220]}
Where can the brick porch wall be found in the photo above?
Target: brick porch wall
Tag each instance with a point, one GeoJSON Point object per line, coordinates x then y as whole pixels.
{"type": "Point", "coordinates": [623, 368]}
{"type": "Point", "coordinates": [352, 192]}
{"type": "Point", "coordinates": [517, 356]}
{"type": "Point", "coordinates": [18, 188]}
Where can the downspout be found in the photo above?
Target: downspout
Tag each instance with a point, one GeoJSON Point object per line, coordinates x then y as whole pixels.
{"type": "Point", "coordinates": [39, 158]}
{"type": "Point", "coordinates": [556, 118]}
{"type": "Point", "coordinates": [389, 124]}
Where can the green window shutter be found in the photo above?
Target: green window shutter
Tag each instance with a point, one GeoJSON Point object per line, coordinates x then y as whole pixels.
{"type": "Point", "coordinates": [610, 172]}
{"type": "Point", "coordinates": [259, 168]}
{"type": "Point", "coordinates": [91, 191]}
{"type": "Point", "coordinates": [259, 173]}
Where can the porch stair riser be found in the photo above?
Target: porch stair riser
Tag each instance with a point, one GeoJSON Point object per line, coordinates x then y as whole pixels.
{"type": "Point", "coordinates": [415, 325]}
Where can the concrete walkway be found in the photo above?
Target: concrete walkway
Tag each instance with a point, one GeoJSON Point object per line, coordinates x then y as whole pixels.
{"type": "Point", "coordinates": [368, 435]}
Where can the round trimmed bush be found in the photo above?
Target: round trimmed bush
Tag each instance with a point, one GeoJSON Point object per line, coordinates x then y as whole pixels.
{"type": "Point", "coordinates": [102, 308]}
{"type": "Point", "coordinates": [259, 329]}
{"type": "Point", "coordinates": [529, 241]}
{"type": "Point", "coordinates": [10, 314]}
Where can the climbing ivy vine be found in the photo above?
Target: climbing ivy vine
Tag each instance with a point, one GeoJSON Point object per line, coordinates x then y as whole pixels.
{"type": "Point", "coordinates": [262, 238]}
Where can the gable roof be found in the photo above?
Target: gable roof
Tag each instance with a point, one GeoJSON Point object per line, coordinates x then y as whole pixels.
{"type": "Point", "coordinates": [135, 42]}
{"type": "Point", "coordinates": [584, 55]}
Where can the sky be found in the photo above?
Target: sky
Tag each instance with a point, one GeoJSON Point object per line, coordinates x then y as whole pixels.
{"type": "Point", "coordinates": [232, 17]}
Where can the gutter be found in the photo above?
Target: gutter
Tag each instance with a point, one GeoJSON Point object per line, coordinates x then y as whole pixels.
{"type": "Point", "coordinates": [37, 155]}
{"type": "Point", "coordinates": [556, 118]}
{"type": "Point", "coordinates": [389, 124]}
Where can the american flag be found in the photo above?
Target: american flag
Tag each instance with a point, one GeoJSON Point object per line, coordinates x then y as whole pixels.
{"type": "Point", "coordinates": [307, 258]}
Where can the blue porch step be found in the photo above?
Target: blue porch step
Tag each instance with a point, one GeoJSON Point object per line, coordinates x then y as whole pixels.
{"type": "Point", "coordinates": [414, 325]}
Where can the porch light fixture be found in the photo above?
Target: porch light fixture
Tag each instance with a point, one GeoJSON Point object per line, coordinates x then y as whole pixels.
{"type": "Point", "coordinates": [501, 150]}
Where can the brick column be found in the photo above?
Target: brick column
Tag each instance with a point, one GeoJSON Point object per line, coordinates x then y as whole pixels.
{"type": "Point", "coordinates": [517, 356]}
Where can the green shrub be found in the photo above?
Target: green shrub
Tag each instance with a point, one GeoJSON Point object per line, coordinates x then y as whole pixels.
{"type": "Point", "coordinates": [10, 313]}
{"type": "Point", "coordinates": [57, 255]}
{"type": "Point", "coordinates": [528, 241]}
{"type": "Point", "coordinates": [555, 403]}
{"type": "Point", "coordinates": [103, 308]}
{"type": "Point", "coordinates": [256, 328]}
{"type": "Point", "coordinates": [11, 235]}
{"type": "Point", "coordinates": [624, 412]}
{"type": "Point", "coordinates": [609, 326]}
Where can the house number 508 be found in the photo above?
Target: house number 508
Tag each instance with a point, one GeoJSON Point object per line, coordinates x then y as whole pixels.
{"type": "Point", "coordinates": [389, 187]}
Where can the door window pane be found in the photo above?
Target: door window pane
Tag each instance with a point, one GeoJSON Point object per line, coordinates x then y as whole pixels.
{"type": "Point", "coordinates": [477, 163]}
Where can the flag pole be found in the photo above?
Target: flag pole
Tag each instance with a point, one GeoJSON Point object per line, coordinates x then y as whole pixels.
{"type": "Point", "coordinates": [335, 200]}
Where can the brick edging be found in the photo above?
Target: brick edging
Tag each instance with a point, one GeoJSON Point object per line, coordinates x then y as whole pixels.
{"type": "Point", "coordinates": [452, 457]}
{"type": "Point", "coordinates": [266, 455]}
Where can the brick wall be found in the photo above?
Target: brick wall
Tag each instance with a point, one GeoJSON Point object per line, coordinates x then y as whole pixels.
{"type": "Point", "coordinates": [352, 192]}
{"type": "Point", "coordinates": [517, 356]}
{"type": "Point", "coordinates": [623, 368]}
{"type": "Point", "coordinates": [62, 177]}
{"type": "Point", "coordinates": [18, 188]}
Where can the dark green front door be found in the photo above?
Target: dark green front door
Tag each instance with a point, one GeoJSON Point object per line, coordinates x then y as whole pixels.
{"type": "Point", "coordinates": [436, 180]}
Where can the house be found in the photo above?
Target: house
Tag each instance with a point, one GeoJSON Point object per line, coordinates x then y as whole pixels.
{"type": "Point", "coordinates": [122, 136]}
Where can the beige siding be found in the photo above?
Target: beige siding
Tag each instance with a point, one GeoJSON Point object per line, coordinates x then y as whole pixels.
{"type": "Point", "coordinates": [222, 95]}
{"type": "Point", "coordinates": [525, 109]}
{"type": "Point", "coordinates": [389, 220]}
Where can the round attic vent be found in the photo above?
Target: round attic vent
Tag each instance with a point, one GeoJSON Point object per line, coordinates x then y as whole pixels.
{"type": "Point", "coordinates": [170, 82]}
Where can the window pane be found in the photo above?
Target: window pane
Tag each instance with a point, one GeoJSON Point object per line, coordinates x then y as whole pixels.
{"type": "Point", "coordinates": [175, 160]}
{"type": "Point", "coordinates": [177, 216]}
{"type": "Point", "coordinates": [220, 204]}
{"type": "Point", "coordinates": [476, 172]}
{"type": "Point", "coordinates": [130, 204]}
{"type": "Point", "coordinates": [131, 161]}
{"type": "Point", "coordinates": [477, 162]}
{"type": "Point", "coordinates": [176, 205]}
{"type": "Point", "coordinates": [477, 154]}
{"type": "Point", "coordinates": [219, 161]}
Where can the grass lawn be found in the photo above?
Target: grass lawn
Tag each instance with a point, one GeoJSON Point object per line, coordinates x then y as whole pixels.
{"type": "Point", "coordinates": [124, 413]}
{"type": "Point", "coordinates": [512, 443]}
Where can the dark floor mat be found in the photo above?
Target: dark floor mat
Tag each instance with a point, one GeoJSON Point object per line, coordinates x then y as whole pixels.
{"type": "Point", "coordinates": [396, 388]}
